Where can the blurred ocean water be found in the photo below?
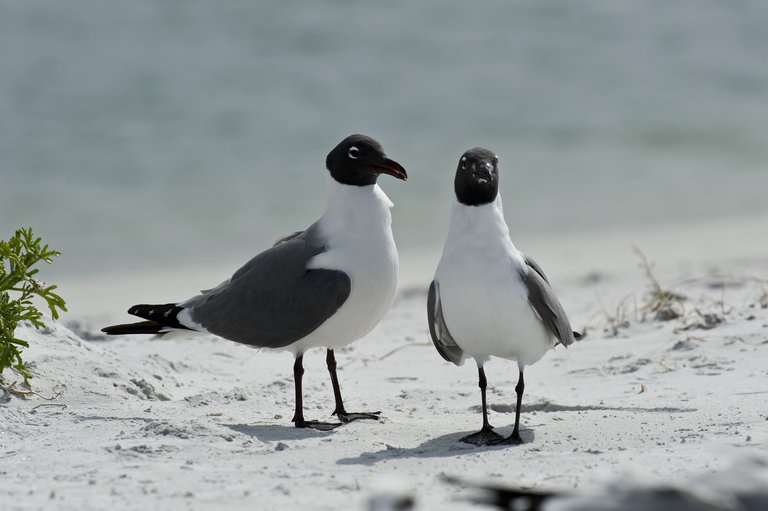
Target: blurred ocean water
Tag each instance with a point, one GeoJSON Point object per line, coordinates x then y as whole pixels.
{"type": "Point", "coordinates": [141, 134]}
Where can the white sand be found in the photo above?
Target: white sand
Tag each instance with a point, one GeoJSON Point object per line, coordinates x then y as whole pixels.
{"type": "Point", "coordinates": [205, 423]}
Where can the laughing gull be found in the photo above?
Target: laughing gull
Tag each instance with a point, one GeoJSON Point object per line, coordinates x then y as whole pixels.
{"type": "Point", "coordinates": [326, 286]}
{"type": "Point", "coordinates": [487, 298]}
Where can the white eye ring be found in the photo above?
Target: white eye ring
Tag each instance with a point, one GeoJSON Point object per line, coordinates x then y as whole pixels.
{"type": "Point", "coordinates": [463, 162]}
{"type": "Point", "coordinates": [354, 152]}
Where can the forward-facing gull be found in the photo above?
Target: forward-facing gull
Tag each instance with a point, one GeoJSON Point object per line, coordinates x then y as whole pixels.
{"type": "Point", "coordinates": [488, 299]}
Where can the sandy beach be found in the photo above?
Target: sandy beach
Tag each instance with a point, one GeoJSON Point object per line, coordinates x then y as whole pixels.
{"type": "Point", "coordinates": [656, 393]}
{"type": "Point", "coordinates": [159, 146]}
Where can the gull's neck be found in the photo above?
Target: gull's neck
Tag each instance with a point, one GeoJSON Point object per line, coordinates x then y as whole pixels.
{"type": "Point", "coordinates": [353, 208]}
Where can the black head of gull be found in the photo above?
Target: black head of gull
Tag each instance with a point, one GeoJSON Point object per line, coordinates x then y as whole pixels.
{"type": "Point", "coordinates": [359, 160]}
{"type": "Point", "coordinates": [477, 177]}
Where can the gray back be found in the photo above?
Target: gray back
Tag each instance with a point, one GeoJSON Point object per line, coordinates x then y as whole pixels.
{"type": "Point", "coordinates": [273, 300]}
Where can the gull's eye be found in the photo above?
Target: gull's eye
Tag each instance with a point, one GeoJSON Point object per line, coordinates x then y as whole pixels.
{"type": "Point", "coordinates": [354, 152]}
{"type": "Point", "coordinates": [463, 162]}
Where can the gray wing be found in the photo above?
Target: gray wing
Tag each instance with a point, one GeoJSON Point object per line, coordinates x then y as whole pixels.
{"type": "Point", "coordinates": [545, 303]}
{"type": "Point", "coordinates": [533, 264]}
{"type": "Point", "coordinates": [273, 300]}
{"type": "Point", "coordinates": [288, 237]}
{"type": "Point", "coordinates": [441, 337]}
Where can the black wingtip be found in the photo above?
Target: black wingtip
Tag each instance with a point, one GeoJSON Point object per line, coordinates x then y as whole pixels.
{"type": "Point", "coordinates": [165, 315]}
{"type": "Point", "coordinates": [160, 319]}
{"type": "Point", "coordinates": [142, 327]}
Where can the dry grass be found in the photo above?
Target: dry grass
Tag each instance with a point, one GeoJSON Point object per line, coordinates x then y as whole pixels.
{"type": "Point", "coordinates": [665, 303]}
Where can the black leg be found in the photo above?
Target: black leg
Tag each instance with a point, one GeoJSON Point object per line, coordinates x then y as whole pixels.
{"type": "Point", "coordinates": [298, 416]}
{"type": "Point", "coordinates": [486, 435]}
{"type": "Point", "coordinates": [515, 438]}
{"type": "Point", "coordinates": [340, 412]}
{"type": "Point", "coordinates": [519, 388]}
{"type": "Point", "coordinates": [330, 360]}
{"type": "Point", "coordinates": [483, 384]}
{"type": "Point", "coordinates": [298, 373]}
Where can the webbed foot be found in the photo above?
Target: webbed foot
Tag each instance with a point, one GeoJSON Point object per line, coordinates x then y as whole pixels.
{"type": "Point", "coordinates": [486, 436]}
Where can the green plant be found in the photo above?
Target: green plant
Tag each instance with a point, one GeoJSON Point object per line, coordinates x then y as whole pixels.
{"type": "Point", "coordinates": [17, 257]}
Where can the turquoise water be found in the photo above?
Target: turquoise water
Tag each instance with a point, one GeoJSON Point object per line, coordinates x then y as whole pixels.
{"type": "Point", "coordinates": [138, 134]}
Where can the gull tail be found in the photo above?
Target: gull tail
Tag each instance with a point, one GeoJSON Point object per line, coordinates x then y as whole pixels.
{"type": "Point", "coordinates": [159, 319]}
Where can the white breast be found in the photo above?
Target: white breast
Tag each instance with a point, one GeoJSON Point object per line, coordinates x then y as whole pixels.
{"type": "Point", "coordinates": [484, 301]}
{"type": "Point", "coordinates": [358, 224]}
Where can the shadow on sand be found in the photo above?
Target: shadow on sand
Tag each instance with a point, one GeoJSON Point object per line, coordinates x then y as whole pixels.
{"type": "Point", "coordinates": [276, 433]}
{"type": "Point", "coordinates": [440, 447]}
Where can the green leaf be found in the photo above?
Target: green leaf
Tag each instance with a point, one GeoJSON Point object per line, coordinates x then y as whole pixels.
{"type": "Point", "coordinates": [18, 287]}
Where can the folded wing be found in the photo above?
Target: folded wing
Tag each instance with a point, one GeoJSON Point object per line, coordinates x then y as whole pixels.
{"type": "Point", "coordinates": [441, 337]}
{"type": "Point", "coordinates": [273, 300]}
{"type": "Point", "coordinates": [545, 303]}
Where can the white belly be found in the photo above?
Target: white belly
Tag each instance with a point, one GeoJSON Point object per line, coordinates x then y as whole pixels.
{"type": "Point", "coordinates": [485, 303]}
{"type": "Point", "coordinates": [374, 284]}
